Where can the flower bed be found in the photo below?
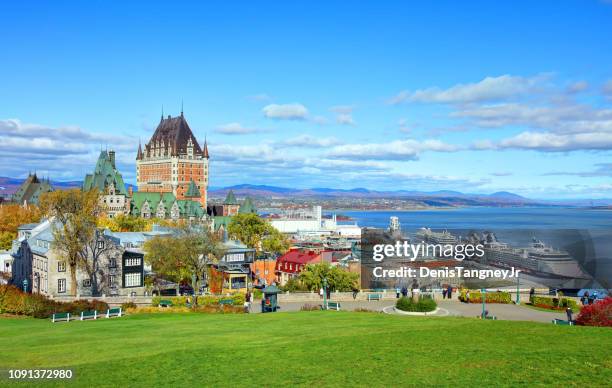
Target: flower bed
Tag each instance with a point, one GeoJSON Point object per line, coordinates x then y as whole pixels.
{"type": "Point", "coordinates": [15, 301]}
{"type": "Point", "coordinates": [423, 305]}
{"type": "Point", "coordinates": [596, 314]}
{"type": "Point", "coordinates": [554, 303]}
{"type": "Point", "coordinates": [207, 300]}
{"type": "Point", "coordinates": [491, 297]}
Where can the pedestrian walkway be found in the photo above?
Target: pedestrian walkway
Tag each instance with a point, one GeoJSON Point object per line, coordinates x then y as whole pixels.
{"type": "Point", "coordinates": [455, 308]}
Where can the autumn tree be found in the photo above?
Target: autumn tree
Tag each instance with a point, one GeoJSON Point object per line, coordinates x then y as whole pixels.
{"type": "Point", "coordinates": [13, 215]}
{"type": "Point", "coordinates": [184, 256]}
{"type": "Point", "coordinates": [257, 233]}
{"type": "Point", "coordinates": [74, 214]}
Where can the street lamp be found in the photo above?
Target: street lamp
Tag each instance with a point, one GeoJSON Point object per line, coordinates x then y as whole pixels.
{"type": "Point", "coordinates": [325, 293]}
{"type": "Point", "coordinates": [518, 296]}
{"type": "Point", "coordinates": [483, 292]}
{"type": "Point", "coordinates": [25, 285]}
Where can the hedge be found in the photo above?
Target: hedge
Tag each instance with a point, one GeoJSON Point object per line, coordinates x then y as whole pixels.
{"type": "Point", "coordinates": [491, 297]}
{"type": "Point", "coordinates": [554, 303]}
{"type": "Point", "coordinates": [14, 301]}
{"type": "Point", "coordinates": [207, 300]}
{"type": "Point", "coordinates": [424, 304]}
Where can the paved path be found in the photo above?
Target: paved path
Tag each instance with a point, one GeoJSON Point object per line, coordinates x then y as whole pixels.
{"type": "Point", "coordinates": [509, 312]}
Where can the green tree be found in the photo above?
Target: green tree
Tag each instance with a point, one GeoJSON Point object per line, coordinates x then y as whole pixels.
{"type": "Point", "coordinates": [185, 256]}
{"type": "Point", "coordinates": [337, 278]}
{"type": "Point", "coordinates": [257, 233]}
{"type": "Point", "coordinates": [75, 214]}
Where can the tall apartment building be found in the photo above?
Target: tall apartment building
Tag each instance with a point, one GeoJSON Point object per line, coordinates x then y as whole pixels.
{"type": "Point", "coordinates": [171, 160]}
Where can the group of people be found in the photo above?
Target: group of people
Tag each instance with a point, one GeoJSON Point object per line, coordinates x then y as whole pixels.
{"type": "Point", "coordinates": [588, 298]}
{"type": "Point", "coordinates": [448, 292]}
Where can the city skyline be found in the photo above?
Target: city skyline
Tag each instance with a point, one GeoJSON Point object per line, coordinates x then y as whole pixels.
{"type": "Point", "coordinates": [406, 97]}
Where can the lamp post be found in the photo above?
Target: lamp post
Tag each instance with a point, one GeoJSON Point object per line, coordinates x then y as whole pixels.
{"type": "Point", "coordinates": [25, 285]}
{"type": "Point", "coordinates": [518, 295]}
{"type": "Point", "coordinates": [324, 293]}
{"type": "Point", "coordinates": [483, 292]}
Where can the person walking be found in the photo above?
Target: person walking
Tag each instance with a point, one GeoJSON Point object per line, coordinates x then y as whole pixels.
{"type": "Point", "coordinates": [449, 292]}
{"type": "Point", "coordinates": [404, 291]}
{"type": "Point", "coordinates": [321, 293]}
{"type": "Point", "coordinates": [355, 292]}
{"type": "Point", "coordinates": [397, 292]}
{"type": "Point", "coordinates": [444, 293]}
{"type": "Point", "coordinates": [569, 313]}
{"type": "Point", "coordinates": [531, 294]}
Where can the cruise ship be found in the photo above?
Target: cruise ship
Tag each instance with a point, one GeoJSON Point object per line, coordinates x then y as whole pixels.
{"type": "Point", "coordinates": [537, 258]}
{"type": "Point", "coordinates": [429, 236]}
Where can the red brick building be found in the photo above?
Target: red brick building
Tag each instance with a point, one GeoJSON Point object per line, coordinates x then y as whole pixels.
{"type": "Point", "coordinates": [172, 159]}
{"type": "Point", "coordinates": [293, 262]}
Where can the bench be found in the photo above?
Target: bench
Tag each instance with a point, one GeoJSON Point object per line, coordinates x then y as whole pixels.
{"type": "Point", "coordinates": [226, 301]}
{"type": "Point", "coordinates": [116, 312]}
{"type": "Point", "coordinates": [165, 303]}
{"type": "Point", "coordinates": [58, 317]}
{"type": "Point", "coordinates": [89, 315]}
{"type": "Point", "coordinates": [333, 306]}
{"type": "Point", "coordinates": [562, 322]}
{"type": "Point", "coordinates": [374, 297]}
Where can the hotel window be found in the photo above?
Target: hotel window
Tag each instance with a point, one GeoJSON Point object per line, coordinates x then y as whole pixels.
{"type": "Point", "coordinates": [112, 262]}
{"type": "Point", "coordinates": [111, 280]}
{"type": "Point", "coordinates": [132, 279]}
{"type": "Point", "coordinates": [61, 285]}
{"type": "Point", "coordinates": [86, 282]}
{"type": "Point", "coordinates": [61, 266]}
{"type": "Point", "coordinates": [100, 244]}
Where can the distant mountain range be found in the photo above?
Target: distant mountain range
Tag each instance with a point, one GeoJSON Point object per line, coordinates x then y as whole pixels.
{"type": "Point", "coordinates": [442, 197]}
{"type": "Point", "coordinates": [432, 198]}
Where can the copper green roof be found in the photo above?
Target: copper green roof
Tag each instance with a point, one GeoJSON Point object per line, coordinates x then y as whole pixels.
{"type": "Point", "coordinates": [192, 191]}
{"type": "Point", "coordinates": [31, 189]}
{"type": "Point", "coordinates": [187, 207]}
{"type": "Point", "coordinates": [221, 220]}
{"type": "Point", "coordinates": [230, 199]}
{"type": "Point", "coordinates": [104, 175]}
{"type": "Point", "coordinates": [247, 207]}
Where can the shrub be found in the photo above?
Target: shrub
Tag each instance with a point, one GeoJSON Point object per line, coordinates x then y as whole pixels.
{"type": "Point", "coordinates": [181, 301]}
{"type": "Point", "coordinates": [554, 303]}
{"type": "Point", "coordinates": [491, 297]}
{"type": "Point", "coordinates": [128, 305]}
{"type": "Point", "coordinates": [423, 305]}
{"type": "Point", "coordinates": [15, 301]}
{"type": "Point", "coordinates": [596, 314]}
{"type": "Point", "coordinates": [310, 307]}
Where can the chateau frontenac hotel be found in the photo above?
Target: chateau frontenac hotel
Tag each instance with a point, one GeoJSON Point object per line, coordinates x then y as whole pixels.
{"type": "Point", "coordinates": [172, 161]}
{"type": "Point", "coordinates": [171, 176]}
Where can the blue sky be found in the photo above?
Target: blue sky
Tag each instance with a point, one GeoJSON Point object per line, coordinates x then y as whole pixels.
{"type": "Point", "coordinates": [470, 96]}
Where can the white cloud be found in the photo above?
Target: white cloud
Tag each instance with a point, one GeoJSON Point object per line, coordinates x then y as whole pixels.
{"type": "Point", "coordinates": [311, 141]}
{"type": "Point", "coordinates": [236, 129]}
{"type": "Point", "coordinates": [394, 150]}
{"type": "Point", "coordinates": [489, 89]}
{"type": "Point", "coordinates": [552, 142]}
{"type": "Point", "coordinates": [293, 111]}
{"type": "Point", "coordinates": [565, 118]}
{"type": "Point", "coordinates": [577, 87]}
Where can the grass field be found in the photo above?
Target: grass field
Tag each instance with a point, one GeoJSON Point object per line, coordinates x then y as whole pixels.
{"type": "Point", "coordinates": [309, 348]}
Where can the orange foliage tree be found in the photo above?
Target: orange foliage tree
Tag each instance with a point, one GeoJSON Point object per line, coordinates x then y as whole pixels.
{"type": "Point", "coordinates": [13, 215]}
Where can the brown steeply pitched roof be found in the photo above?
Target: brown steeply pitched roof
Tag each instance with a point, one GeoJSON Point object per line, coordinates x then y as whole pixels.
{"type": "Point", "coordinates": [175, 133]}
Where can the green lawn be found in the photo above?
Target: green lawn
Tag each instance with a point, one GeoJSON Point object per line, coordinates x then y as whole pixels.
{"type": "Point", "coordinates": [309, 349]}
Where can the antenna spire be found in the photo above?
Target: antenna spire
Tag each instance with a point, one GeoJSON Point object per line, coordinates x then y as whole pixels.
{"type": "Point", "coordinates": [162, 116]}
{"type": "Point", "coordinates": [181, 106]}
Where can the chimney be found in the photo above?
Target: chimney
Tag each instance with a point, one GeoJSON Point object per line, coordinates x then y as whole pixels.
{"type": "Point", "coordinates": [111, 156]}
